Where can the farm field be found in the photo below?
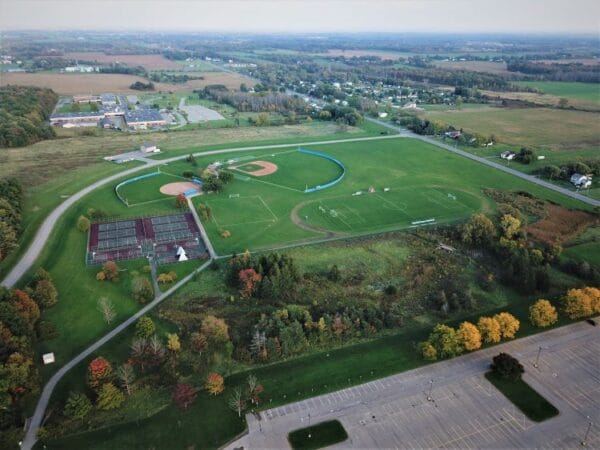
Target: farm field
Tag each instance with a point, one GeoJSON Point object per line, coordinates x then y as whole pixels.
{"type": "Point", "coordinates": [148, 62]}
{"type": "Point", "coordinates": [261, 214]}
{"type": "Point", "coordinates": [475, 66]}
{"type": "Point", "coordinates": [383, 54]}
{"type": "Point", "coordinates": [535, 127]}
{"type": "Point", "coordinates": [97, 83]}
{"type": "Point", "coordinates": [578, 91]}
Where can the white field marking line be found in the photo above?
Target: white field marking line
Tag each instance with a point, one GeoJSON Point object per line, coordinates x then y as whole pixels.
{"type": "Point", "coordinates": [275, 218]}
{"type": "Point", "coordinates": [385, 200]}
{"type": "Point", "coordinates": [275, 185]}
{"type": "Point", "coordinates": [150, 201]}
{"type": "Point", "coordinates": [248, 223]}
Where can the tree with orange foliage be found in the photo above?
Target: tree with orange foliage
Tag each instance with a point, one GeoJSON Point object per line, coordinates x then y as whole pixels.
{"type": "Point", "coordinates": [249, 279]}
{"type": "Point", "coordinates": [181, 202]}
{"type": "Point", "coordinates": [214, 383]}
{"type": "Point", "coordinates": [542, 313]}
{"type": "Point", "coordinates": [26, 307]}
{"type": "Point", "coordinates": [99, 372]}
{"type": "Point", "coordinates": [215, 330]}
{"type": "Point", "coordinates": [594, 295]}
{"type": "Point", "coordinates": [489, 329]}
{"type": "Point", "coordinates": [111, 271]}
{"type": "Point", "coordinates": [509, 325]}
{"type": "Point", "coordinates": [469, 336]}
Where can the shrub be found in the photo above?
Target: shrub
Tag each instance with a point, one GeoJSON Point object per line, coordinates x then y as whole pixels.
{"type": "Point", "coordinates": [83, 224]}
{"type": "Point", "coordinates": [78, 406]}
{"type": "Point", "coordinates": [489, 329]}
{"type": "Point", "coordinates": [509, 325]}
{"type": "Point", "coordinates": [109, 397]}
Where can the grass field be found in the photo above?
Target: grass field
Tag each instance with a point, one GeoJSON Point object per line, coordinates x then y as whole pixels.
{"type": "Point", "coordinates": [474, 66]}
{"type": "Point", "coordinates": [148, 189]}
{"type": "Point", "coordinates": [424, 183]}
{"type": "Point", "coordinates": [535, 127]}
{"type": "Point", "coordinates": [577, 91]}
{"type": "Point", "coordinates": [318, 436]}
{"type": "Point", "coordinates": [524, 397]}
{"type": "Point", "coordinates": [149, 62]}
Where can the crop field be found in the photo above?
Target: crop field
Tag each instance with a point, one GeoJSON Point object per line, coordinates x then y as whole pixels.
{"type": "Point", "coordinates": [414, 184]}
{"type": "Point", "coordinates": [149, 62]}
{"type": "Point", "coordinates": [97, 83]}
{"type": "Point", "coordinates": [383, 54]}
{"type": "Point", "coordinates": [536, 127]}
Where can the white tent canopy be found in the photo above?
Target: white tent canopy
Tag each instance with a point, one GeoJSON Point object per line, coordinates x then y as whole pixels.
{"type": "Point", "coordinates": [181, 254]}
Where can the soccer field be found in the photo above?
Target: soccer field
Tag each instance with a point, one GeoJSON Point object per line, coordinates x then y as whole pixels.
{"type": "Point", "coordinates": [403, 184]}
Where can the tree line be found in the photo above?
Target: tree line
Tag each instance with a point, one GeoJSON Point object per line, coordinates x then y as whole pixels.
{"type": "Point", "coordinates": [11, 207]}
{"type": "Point", "coordinates": [23, 113]}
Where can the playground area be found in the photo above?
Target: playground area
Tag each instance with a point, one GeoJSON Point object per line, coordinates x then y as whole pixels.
{"type": "Point", "coordinates": [166, 239]}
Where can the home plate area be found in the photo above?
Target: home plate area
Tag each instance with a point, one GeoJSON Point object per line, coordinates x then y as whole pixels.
{"type": "Point", "coordinates": [167, 239]}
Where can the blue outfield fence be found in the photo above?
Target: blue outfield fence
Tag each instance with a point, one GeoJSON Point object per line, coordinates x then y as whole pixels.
{"type": "Point", "coordinates": [330, 158]}
{"type": "Point", "coordinates": [133, 180]}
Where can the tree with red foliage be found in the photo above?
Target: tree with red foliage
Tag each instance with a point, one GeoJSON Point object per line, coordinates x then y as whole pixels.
{"type": "Point", "coordinates": [111, 271]}
{"type": "Point", "coordinates": [99, 372]}
{"type": "Point", "coordinates": [249, 279]}
{"type": "Point", "coordinates": [215, 383]}
{"type": "Point", "coordinates": [181, 202]}
{"type": "Point", "coordinates": [184, 395]}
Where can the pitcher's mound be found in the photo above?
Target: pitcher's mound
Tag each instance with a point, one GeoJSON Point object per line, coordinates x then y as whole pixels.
{"type": "Point", "coordinates": [178, 188]}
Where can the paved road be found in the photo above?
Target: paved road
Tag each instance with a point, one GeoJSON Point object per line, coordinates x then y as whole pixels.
{"type": "Point", "coordinates": [42, 235]}
{"type": "Point", "coordinates": [40, 409]}
{"type": "Point", "coordinates": [465, 410]}
{"type": "Point", "coordinates": [573, 194]}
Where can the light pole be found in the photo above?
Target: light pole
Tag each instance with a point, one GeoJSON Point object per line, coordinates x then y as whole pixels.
{"type": "Point", "coordinates": [587, 432]}
{"type": "Point", "coordinates": [309, 434]}
{"type": "Point", "coordinates": [429, 399]}
{"type": "Point", "coordinates": [537, 359]}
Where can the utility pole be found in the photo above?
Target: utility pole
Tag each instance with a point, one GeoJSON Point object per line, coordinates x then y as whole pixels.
{"type": "Point", "coordinates": [587, 432]}
{"type": "Point", "coordinates": [429, 399]}
{"type": "Point", "coordinates": [537, 359]}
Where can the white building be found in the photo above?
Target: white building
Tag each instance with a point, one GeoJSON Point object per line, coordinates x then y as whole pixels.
{"type": "Point", "coordinates": [581, 181]}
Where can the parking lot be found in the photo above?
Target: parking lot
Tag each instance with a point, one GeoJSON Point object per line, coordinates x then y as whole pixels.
{"type": "Point", "coordinates": [464, 410]}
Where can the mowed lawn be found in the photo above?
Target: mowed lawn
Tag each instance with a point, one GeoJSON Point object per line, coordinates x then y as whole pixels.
{"type": "Point", "coordinates": [535, 127]}
{"type": "Point", "coordinates": [148, 189]}
{"type": "Point", "coordinates": [424, 183]}
{"type": "Point", "coordinates": [577, 91]}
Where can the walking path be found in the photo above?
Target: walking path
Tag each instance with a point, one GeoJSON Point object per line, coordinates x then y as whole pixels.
{"type": "Point", "coordinates": [464, 410]}
{"type": "Point", "coordinates": [40, 409]}
{"type": "Point", "coordinates": [404, 132]}
{"type": "Point", "coordinates": [209, 246]}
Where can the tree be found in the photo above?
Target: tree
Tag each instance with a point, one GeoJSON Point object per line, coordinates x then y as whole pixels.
{"type": "Point", "coordinates": [428, 351]}
{"type": "Point", "coordinates": [144, 328]}
{"type": "Point", "coordinates": [173, 343]}
{"type": "Point", "coordinates": [254, 389]}
{"type": "Point", "coordinates": [83, 224]}
{"type": "Point", "coordinates": [249, 280]}
{"type": "Point", "coordinates": [107, 309]}
{"type": "Point", "coordinates": [126, 376]}
{"type": "Point", "coordinates": [469, 336]}
{"type": "Point", "coordinates": [594, 295]}
{"type": "Point", "coordinates": [141, 289]}
{"type": "Point", "coordinates": [214, 383]}
{"type": "Point", "coordinates": [184, 395]}
{"type": "Point", "coordinates": [99, 372]}
{"type": "Point", "coordinates": [563, 102]}
{"type": "Point", "coordinates": [26, 308]}
{"type": "Point", "coordinates": [215, 330]}
{"type": "Point", "coordinates": [45, 293]}
{"type": "Point", "coordinates": [111, 271]}
{"type": "Point", "coordinates": [507, 367]}
{"type": "Point", "coordinates": [459, 102]}
{"type": "Point", "coordinates": [578, 304]}
{"type": "Point", "coordinates": [198, 342]}
{"type": "Point", "coordinates": [18, 377]}
{"type": "Point", "coordinates": [226, 177]}
{"type": "Point", "coordinates": [509, 325]}
{"type": "Point", "coordinates": [510, 225]}
{"type": "Point", "coordinates": [489, 329]}
{"type": "Point", "coordinates": [181, 201]}
{"type": "Point", "coordinates": [551, 171]}
{"type": "Point", "coordinates": [237, 402]}
{"type": "Point", "coordinates": [78, 405]}
{"type": "Point", "coordinates": [542, 313]}
{"type": "Point", "coordinates": [479, 230]}
{"type": "Point", "coordinates": [8, 239]}
{"type": "Point", "coordinates": [243, 87]}
{"type": "Point", "coordinates": [445, 341]}
{"type": "Point", "coordinates": [109, 397]}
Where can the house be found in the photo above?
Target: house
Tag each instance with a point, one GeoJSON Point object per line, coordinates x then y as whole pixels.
{"type": "Point", "coordinates": [581, 181]}
{"type": "Point", "coordinates": [149, 147]}
{"type": "Point", "coordinates": [383, 115]}
{"type": "Point", "coordinates": [508, 155]}
{"type": "Point", "coordinates": [81, 69]}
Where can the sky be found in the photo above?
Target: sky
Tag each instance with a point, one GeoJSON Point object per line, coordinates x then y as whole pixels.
{"type": "Point", "coordinates": [505, 16]}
